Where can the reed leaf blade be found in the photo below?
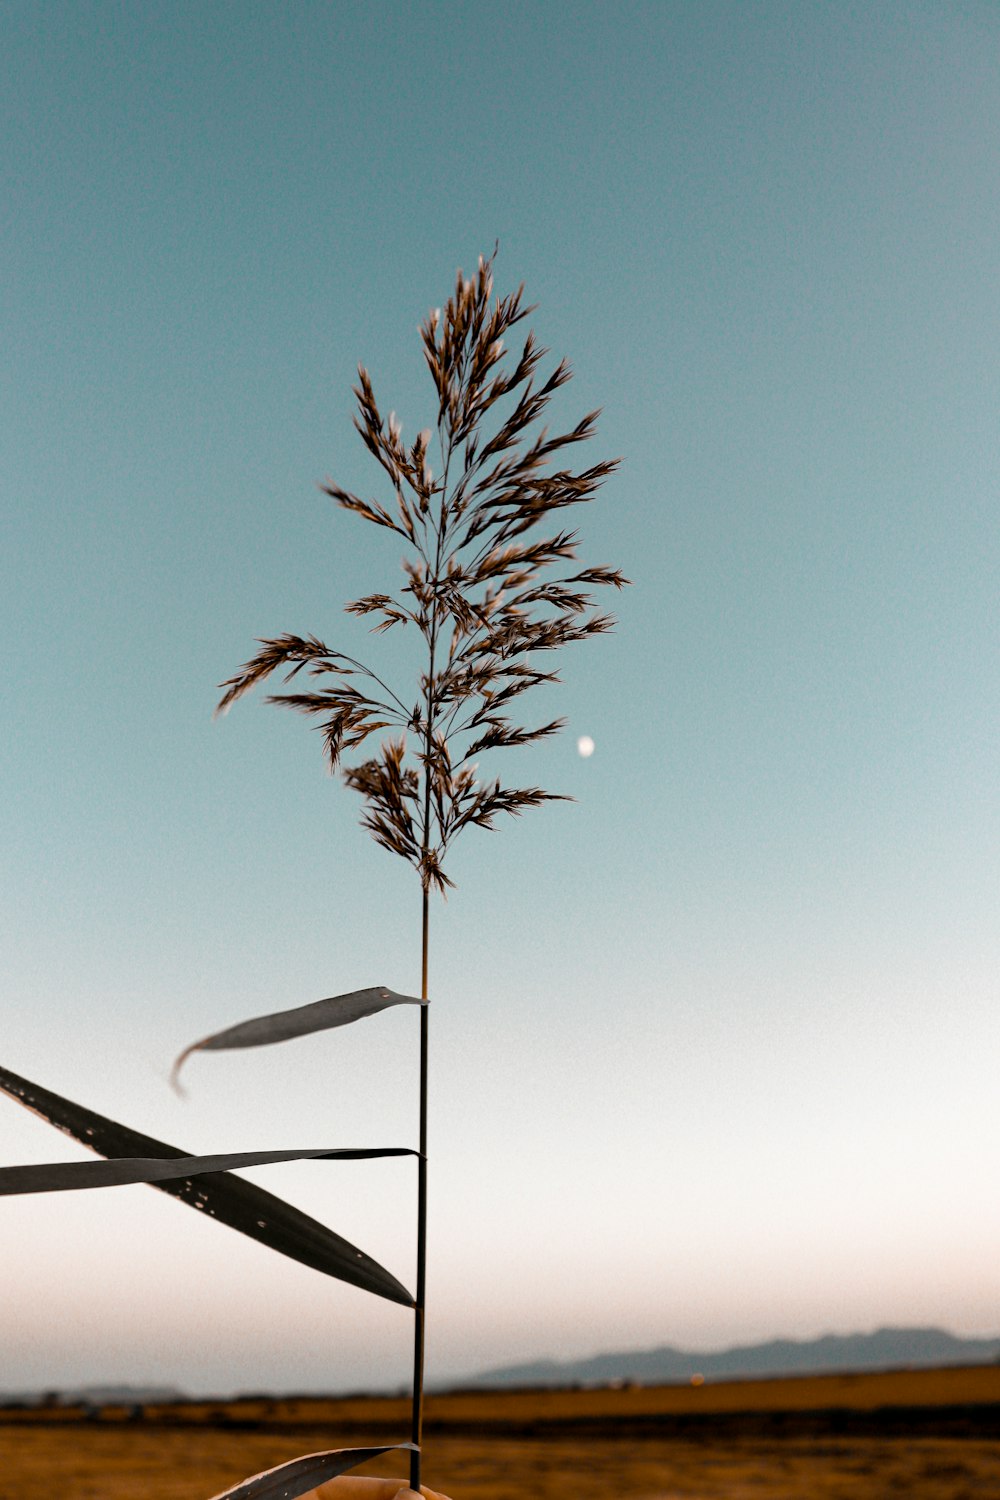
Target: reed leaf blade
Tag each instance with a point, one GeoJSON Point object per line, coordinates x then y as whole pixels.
{"type": "Point", "coordinates": [299, 1475]}
{"type": "Point", "coordinates": [126, 1171]}
{"type": "Point", "coordinates": [300, 1020]}
{"type": "Point", "coordinates": [230, 1200]}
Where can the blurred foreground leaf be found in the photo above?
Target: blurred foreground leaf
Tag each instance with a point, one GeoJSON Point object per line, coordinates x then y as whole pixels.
{"type": "Point", "coordinates": [242, 1205]}
{"type": "Point", "coordinates": [300, 1475]}
{"type": "Point", "coordinates": [301, 1020]}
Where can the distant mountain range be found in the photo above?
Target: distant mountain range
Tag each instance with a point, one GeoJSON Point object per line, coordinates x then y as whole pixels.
{"type": "Point", "coordinates": [96, 1395]}
{"type": "Point", "coordinates": [886, 1349]}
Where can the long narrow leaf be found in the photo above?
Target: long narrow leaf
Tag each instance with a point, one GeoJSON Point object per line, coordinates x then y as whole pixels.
{"type": "Point", "coordinates": [69, 1176]}
{"type": "Point", "coordinates": [240, 1204]}
{"type": "Point", "coordinates": [301, 1020]}
{"type": "Point", "coordinates": [300, 1475]}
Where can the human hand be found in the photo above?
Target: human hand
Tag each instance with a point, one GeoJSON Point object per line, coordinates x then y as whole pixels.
{"type": "Point", "coordinates": [356, 1487]}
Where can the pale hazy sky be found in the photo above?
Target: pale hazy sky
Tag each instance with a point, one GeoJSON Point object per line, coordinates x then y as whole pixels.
{"type": "Point", "coordinates": [715, 1048]}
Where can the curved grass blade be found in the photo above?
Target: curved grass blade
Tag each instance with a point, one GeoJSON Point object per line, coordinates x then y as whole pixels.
{"type": "Point", "coordinates": [231, 1200]}
{"type": "Point", "coordinates": [301, 1020]}
{"type": "Point", "coordinates": [122, 1171]}
{"type": "Point", "coordinates": [300, 1475]}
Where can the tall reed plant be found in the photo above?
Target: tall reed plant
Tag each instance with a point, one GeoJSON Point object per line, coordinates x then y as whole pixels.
{"type": "Point", "coordinates": [492, 584]}
{"type": "Point", "coordinates": [483, 535]}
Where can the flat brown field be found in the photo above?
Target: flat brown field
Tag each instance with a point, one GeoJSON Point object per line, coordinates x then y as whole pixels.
{"type": "Point", "coordinates": [930, 1434]}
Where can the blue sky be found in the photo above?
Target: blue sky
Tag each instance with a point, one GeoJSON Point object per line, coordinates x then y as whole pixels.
{"type": "Point", "coordinates": [714, 1048]}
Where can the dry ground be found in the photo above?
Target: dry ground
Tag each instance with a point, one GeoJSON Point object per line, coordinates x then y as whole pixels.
{"type": "Point", "coordinates": [932, 1435]}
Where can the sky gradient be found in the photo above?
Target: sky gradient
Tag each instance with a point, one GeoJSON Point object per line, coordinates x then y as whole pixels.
{"type": "Point", "coordinates": [714, 1048]}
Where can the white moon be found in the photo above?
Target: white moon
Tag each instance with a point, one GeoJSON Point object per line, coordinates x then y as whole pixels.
{"type": "Point", "coordinates": [585, 746]}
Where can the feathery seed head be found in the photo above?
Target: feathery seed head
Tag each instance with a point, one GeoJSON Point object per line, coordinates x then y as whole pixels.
{"type": "Point", "coordinates": [479, 588]}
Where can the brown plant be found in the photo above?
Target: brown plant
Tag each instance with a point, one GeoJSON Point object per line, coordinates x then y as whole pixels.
{"type": "Point", "coordinates": [485, 593]}
{"type": "Point", "coordinates": [479, 588]}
